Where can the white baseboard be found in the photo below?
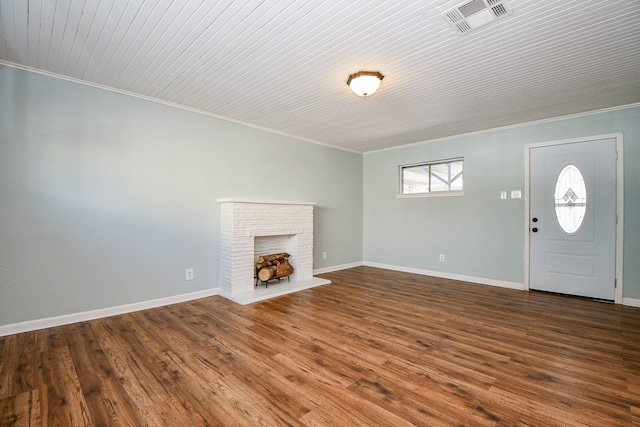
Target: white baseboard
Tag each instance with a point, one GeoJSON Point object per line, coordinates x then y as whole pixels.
{"type": "Point", "coordinates": [631, 302]}
{"type": "Point", "coordinates": [511, 285]}
{"type": "Point", "coordinates": [480, 280]}
{"type": "Point", "coordinates": [66, 319]}
{"type": "Point", "coordinates": [337, 267]}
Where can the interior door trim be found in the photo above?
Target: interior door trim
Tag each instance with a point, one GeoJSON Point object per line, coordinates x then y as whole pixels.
{"type": "Point", "coordinates": [618, 298]}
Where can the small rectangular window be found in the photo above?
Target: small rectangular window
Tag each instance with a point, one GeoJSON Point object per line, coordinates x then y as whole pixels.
{"type": "Point", "coordinates": [443, 176]}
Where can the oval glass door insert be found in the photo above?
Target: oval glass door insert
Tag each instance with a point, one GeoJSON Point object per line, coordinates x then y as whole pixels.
{"type": "Point", "coordinates": [570, 199]}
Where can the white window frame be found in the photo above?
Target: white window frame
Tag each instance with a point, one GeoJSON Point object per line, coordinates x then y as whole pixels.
{"type": "Point", "coordinates": [401, 168]}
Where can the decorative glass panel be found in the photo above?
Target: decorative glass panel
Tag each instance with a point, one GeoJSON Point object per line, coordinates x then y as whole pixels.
{"type": "Point", "coordinates": [570, 199]}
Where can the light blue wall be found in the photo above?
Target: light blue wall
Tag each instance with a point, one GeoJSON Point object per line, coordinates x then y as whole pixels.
{"type": "Point", "coordinates": [481, 235]}
{"type": "Point", "coordinates": [107, 198]}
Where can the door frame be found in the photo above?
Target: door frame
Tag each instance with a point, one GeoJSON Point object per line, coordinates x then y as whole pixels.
{"type": "Point", "coordinates": [618, 298]}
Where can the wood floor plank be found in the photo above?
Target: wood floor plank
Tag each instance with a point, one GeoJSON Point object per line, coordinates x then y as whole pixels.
{"type": "Point", "coordinates": [330, 416]}
{"type": "Point", "coordinates": [334, 395]}
{"type": "Point", "coordinates": [23, 409]}
{"type": "Point", "coordinates": [9, 362]}
{"type": "Point", "coordinates": [106, 399]}
{"type": "Point", "coordinates": [342, 366]}
{"type": "Point", "coordinates": [373, 348]}
{"type": "Point", "coordinates": [285, 403]}
{"type": "Point", "coordinates": [404, 403]}
{"type": "Point", "coordinates": [249, 408]}
{"type": "Point", "coordinates": [135, 368]}
{"type": "Point", "coordinates": [436, 383]}
{"type": "Point", "coordinates": [66, 403]}
{"type": "Point", "coordinates": [194, 393]}
{"type": "Point", "coordinates": [19, 368]}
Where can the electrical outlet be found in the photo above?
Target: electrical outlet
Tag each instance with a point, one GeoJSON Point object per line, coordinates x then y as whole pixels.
{"type": "Point", "coordinates": [516, 194]}
{"type": "Point", "coordinates": [441, 257]}
{"type": "Point", "coordinates": [324, 255]}
{"type": "Point", "coordinates": [188, 274]}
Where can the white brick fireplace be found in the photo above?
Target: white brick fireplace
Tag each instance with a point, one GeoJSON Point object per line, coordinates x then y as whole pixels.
{"type": "Point", "coordinates": [250, 228]}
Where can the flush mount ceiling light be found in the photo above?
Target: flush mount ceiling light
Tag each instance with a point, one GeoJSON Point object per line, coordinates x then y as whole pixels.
{"type": "Point", "coordinates": [365, 83]}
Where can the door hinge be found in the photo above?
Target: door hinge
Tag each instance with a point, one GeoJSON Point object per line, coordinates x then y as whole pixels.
{"type": "Point", "coordinates": [615, 283]}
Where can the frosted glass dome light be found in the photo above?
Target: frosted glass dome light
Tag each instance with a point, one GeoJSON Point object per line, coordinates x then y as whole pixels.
{"type": "Point", "coordinates": [365, 83]}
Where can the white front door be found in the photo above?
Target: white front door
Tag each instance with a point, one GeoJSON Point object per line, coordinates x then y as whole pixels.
{"type": "Point", "coordinates": [572, 218]}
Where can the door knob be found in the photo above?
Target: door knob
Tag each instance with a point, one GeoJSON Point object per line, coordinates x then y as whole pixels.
{"type": "Point", "coordinates": [534, 229]}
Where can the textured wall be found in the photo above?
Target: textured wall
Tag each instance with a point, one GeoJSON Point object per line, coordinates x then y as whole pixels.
{"type": "Point", "coordinates": [107, 198]}
{"type": "Point", "coordinates": [481, 235]}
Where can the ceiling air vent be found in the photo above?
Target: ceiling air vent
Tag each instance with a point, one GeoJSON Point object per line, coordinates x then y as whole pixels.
{"type": "Point", "coordinates": [474, 14]}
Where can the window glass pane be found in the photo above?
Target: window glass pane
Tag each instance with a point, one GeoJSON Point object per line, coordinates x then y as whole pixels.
{"type": "Point", "coordinates": [415, 179]}
{"type": "Point", "coordinates": [446, 176]}
{"type": "Point", "coordinates": [432, 177]}
{"type": "Point", "coordinates": [570, 199]}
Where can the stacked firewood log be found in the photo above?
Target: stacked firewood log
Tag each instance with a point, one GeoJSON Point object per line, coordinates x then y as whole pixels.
{"type": "Point", "coordinates": [273, 266]}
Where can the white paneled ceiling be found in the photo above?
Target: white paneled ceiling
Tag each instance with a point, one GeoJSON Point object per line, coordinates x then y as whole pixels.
{"type": "Point", "coordinates": [282, 65]}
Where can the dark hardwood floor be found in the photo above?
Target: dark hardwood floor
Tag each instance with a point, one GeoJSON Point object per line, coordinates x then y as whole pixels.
{"type": "Point", "coordinates": [374, 348]}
